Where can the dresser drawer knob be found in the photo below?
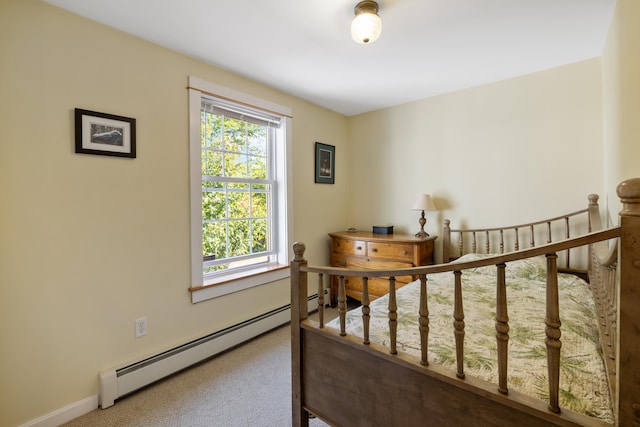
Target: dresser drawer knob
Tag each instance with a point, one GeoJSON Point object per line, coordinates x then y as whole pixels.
{"type": "Point", "coordinates": [343, 263]}
{"type": "Point", "coordinates": [374, 250]}
{"type": "Point", "coordinates": [359, 248]}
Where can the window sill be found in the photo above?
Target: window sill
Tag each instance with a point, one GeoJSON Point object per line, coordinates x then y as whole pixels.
{"type": "Point", "coordinates": [245, 280]}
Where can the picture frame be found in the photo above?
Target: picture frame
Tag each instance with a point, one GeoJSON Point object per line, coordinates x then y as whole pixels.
{"type": "Point", "coordinates": [105, 134]}
{"type": "Point", "coordinates": [325, 164]}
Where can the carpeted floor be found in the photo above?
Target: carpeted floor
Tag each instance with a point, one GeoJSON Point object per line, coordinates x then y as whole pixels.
{"type": "Point", "coordinates": [248, 386]}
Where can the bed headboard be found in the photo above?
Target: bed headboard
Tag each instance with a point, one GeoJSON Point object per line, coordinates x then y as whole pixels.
{"type": "Point", "coordinates": [499, 240]}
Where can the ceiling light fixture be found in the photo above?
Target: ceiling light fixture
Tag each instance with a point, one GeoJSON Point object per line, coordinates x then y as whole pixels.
{"type": "Point", "coordinates": [367, 25]}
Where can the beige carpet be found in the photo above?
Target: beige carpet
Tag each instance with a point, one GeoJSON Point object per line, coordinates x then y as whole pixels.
{"type": "Point", "coordinates": [248, 386]}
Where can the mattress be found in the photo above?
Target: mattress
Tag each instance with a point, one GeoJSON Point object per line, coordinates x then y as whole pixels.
{"type": "Point", "coordinates": [583, 382]}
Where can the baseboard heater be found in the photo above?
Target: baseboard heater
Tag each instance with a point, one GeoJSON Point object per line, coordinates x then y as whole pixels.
{"type": "Point", "coordinates": [116, 383]}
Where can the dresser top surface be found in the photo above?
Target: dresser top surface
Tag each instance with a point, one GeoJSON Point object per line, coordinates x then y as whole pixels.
{"type": "Point", "coordinates": [374, 237]}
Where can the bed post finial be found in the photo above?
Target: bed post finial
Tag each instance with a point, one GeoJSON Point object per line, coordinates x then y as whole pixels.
{"type": "Point", "coordinates": [595, 223]}
{"type": "Point", "coordinates": [629, 193]}
{"type": "Point", "coordinates": [446, 241]}
{"type": "Point", "coordinates": [298, 250]}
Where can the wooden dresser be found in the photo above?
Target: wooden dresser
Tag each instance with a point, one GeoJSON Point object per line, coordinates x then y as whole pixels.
{"type": "Point", "coordinates": [361, 249]}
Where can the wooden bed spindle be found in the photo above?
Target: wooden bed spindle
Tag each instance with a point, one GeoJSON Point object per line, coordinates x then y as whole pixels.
{"type": "Point", "coordinates": [517, 242]}
{"type": "Point", "coordinates": [603, 299]}
{"type": "Point", "coordinates": [612, 311]}
{"type": "Point", "coordinates": [596, 277]}
{"type": "Point", "coordinates": [424, 321]}
{"type": "Point", "coordinates": [568, 236]}
{"type": "Point", "coordinates": [365, 310]}
{"type": "Point", "coordinates": [502, 328]}
{"type": "Point", "coordinates": [501, 241]}
{"type": "Point", "coordinates": [487, 245]}
{"type": "Point", "coordinates": [393, 316]}
{"type": "Point", "coordinates": [602, 279]}
{"type": "Point", "coordinates": [533, 239]}
{"type": "Point", "coordinates": [458, 323]}
{"type": "Point", "coordinates": [602, 293]}
{"type": "Point", "coordinates": [342, 306]}
{"type": "Point", "coordinates": [321, 300]}
{"type": "Point", "coordinates": [552, 332]}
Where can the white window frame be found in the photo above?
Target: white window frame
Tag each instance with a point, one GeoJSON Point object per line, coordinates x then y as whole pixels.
{"type": "Point", "coordinates": [204, 288]}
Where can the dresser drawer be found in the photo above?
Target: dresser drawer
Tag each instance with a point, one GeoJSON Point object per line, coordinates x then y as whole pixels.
{"type": "Point", "coordinates": [355, 262]}
{"type": "Point", "coordinates": [390, 250]}
{"type": "Point", "coordinates": [349, 247]}
{"type": "Point", "coordinates": [377, 287]}
{"type": "Point", "coordinates": [340, 260]}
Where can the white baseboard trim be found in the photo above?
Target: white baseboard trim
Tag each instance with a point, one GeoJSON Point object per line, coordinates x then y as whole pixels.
{"type": "Point", "coordinates": [84, 406]}
{"type": "Point", "coordinates": [66, 414]}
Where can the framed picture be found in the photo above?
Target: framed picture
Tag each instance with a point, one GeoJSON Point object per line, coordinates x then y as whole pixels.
{"type": "Point", "coordinates": [325, 163]}
{"type": "Point", "coordinates": [105, 134]}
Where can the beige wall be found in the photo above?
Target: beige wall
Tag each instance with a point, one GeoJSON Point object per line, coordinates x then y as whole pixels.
{"type": "Point", "coordinates": [530, 143]}
{"type": "Point", "coordinates": [621, 68]}
{"type": "Point", "coordinates": [89, 243]}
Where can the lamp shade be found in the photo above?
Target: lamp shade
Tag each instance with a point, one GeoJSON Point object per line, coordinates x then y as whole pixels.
{"type": "Point", "coordinates": [424, 202]}
{"type": "Point", "coordinates": [366, 27]}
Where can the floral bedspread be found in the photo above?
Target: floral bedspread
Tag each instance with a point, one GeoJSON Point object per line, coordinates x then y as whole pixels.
{"type": "Point", "coordinates": [583, 383]}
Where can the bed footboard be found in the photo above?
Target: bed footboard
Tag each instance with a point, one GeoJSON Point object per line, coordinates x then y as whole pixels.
{"type": "Point", "coordinates": [368, 387]}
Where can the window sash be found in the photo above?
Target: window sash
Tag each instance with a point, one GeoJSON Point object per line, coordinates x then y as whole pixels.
{"type": "Point", "coordinates": [226, 110]}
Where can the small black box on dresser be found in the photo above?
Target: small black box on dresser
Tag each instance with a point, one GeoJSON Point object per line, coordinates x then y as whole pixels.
{"type": "Point", "coordinates": [383, 229]}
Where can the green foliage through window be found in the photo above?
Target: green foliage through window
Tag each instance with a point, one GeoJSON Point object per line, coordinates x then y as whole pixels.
{"type": "Point", "coordinates": [237, 184]}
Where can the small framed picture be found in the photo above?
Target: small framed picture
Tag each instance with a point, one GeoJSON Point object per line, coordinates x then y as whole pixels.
{"type": "Point", "coordinates": [325, 163]}
{"type": "Point", "coordinates": [105, 134]}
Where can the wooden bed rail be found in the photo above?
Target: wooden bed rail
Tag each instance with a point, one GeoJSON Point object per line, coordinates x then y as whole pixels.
{"type": "Point", "coordinates": [614, 274]}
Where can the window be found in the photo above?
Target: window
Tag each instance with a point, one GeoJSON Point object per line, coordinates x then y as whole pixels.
{"type": "Point", "coordinates": [237, 186]}
{"type": "Point", "coordinates": [239, 190]}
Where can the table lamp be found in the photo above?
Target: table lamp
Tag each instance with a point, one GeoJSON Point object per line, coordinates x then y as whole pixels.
{"type": "Point", "coordinates": [423, 203]}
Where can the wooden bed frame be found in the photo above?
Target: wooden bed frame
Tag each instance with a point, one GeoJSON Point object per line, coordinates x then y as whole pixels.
{"type": "Point", "coordinates": [346, 380]}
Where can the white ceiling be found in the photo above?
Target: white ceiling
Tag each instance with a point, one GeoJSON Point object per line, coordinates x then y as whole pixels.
{"type": "Point", "coordinates": [427, 47]}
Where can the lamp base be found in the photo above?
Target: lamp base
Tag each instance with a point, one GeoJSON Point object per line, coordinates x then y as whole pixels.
{"type": "Point", "coordinates": [422, 221]}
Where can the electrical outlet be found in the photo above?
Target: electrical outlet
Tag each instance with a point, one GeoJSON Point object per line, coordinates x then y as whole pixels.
{"type": "Point", "coordinates": [141, 327]}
